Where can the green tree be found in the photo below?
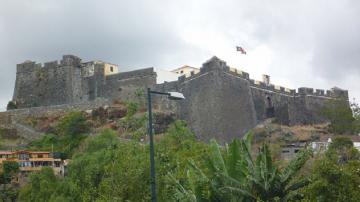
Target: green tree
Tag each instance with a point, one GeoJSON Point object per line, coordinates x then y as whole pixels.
{"type": "Point", "coordinates": [11, 105]}
{"type": "Point", "coordinates": [172, 154]}
{"type": "Point", "coordinates": [134, 123]}
{"type": "Point", "coordinates": [106, 169]}
{"type": "Point", "coordinates": [356, 113]}
{"type": "Point", "coordinates": [73, 124]}
{"type": "Point", "coordinates": [9, 170]}
{"type": "Point", "coordinates": [340, 115]}
{"type": "Point", "coordinates": [41, 187]}
{"type": "Point", "coordinates": [70, 132]}
{"type": "Point", "coordinates": [333, 178]}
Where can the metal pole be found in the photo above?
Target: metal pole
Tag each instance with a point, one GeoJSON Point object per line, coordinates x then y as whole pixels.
{"type": "Point", "coordinates": [152, 157]}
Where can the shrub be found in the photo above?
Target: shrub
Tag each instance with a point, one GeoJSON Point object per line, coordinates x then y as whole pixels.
{"type": "Point", "coordinates": [73, 124]}
{"type": "Point", "coordinates": [335, 176]}
{"type": "Point", "coordinates": [42, 185]}
{"type": "Point", "coordinates": [11, 105]}
{"type": "Point", "coordinates": [9, 170]}
{"type": "Point", "coordinates": [340, 115]}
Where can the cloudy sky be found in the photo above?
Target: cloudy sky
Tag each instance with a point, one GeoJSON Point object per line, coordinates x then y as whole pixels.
{"type": "Point", "coordinates": [312, 43]}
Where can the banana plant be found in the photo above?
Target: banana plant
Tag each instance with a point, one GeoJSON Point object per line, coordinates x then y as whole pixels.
{"type": "Point", "coordinates": [234, 175]}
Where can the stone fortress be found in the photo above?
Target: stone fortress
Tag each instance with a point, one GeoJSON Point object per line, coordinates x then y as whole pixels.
{"type": "Point", "coordinates": [221, 102]}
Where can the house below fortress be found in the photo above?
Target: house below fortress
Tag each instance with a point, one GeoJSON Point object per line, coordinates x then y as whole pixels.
{"type": "Point", "coordinates": [221, 102]}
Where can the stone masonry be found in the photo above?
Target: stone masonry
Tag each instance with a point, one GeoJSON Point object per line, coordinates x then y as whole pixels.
{"type": "Point", "coordinates": [221, 102]}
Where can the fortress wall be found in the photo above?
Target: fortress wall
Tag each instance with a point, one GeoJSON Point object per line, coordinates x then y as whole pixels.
{"type": "Point", "coordinates": [290, 108]}
{"type": "Point", "coordinates": [50, 84]}
{"type": "Point", "coordinates": [221, 102]}
{"type": "Point", "coordinates": [131, 74]}
{"type": "Point", "coordinates": [76, 93]}
{"type": "Point", "coordinates": [305, 109]}
{"type": "Point", "coordinates": [20, 114]}
{"type": "Point", "coordinates": [43, 87]}
{"type": "Point", "coordinates": [264, 99]}
{"type": "Point", "coordinates": [88, 88]}
{"type": "Point", "coordinates": [162, 102]}
{"type": "Point", "coordinates": [218, 104]}
{"type": "Point", "coordinates": [25, 84]}
{"type": "Point", "coordinates": [125, 85]}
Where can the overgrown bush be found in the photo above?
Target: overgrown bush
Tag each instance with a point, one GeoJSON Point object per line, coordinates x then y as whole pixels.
{"type": "Point", "coordinates": [73, 124]}
{"type": "Point", "coordinates": [69, 133]}
{"type": "Point", "coordinates": [336, 175]}
{"type": "Point", "coordinates": [340, 115]}
{"type": "Point", "coordinates": [41, 187]}
{"type": "Point", "coordinates": [11, 105]}
{"type": "Point", "coordinates": [107, 169]}
{"type": "Point", "coordinates": [8, 172]}
{"type": "Point", "coordinates": [133, 124]}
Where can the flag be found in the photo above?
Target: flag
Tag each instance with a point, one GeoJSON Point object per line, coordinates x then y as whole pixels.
{"type": "Point", "coordinates": [239, 48]}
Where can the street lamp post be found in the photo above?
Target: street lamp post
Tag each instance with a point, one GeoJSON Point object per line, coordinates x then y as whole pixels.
{"type": "Point", "coordinates": [171, 96]}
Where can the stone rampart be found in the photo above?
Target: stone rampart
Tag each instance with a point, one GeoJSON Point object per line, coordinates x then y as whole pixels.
{"type": "Point", "coordinates": [19, 114]}
{"type": "Point", "coordinates": [125, 85]}
{"type": "Point", "coordinates": [221, 102]}
{"type": "Point", "coordinates": [218, 103]}
{"type": "Point", "coordinates": [67, 82]}
{"type": "Point", "coordinates": [15, 119]}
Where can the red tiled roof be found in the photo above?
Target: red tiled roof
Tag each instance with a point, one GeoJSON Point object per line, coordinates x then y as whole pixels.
{"type": "Point", "coordinates": [6, 152]}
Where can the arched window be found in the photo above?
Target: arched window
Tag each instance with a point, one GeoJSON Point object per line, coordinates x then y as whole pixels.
{"type": "Point", "coordinates": [111, 68]}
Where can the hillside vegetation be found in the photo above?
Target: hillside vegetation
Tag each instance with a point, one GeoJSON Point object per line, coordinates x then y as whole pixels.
{"type": "Point", "coordinates": [110, 162]}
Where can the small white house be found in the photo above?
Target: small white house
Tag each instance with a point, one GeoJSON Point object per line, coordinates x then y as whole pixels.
{"type": "Point", "coordinates": [323, 146]}
{"type": "Point", "coordinates": [186, 70]}
{"type": "Point", "coordinates": [319, 147]}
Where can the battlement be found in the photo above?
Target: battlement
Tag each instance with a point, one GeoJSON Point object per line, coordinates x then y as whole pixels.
{"type": "Point", "coordinates": [213, 64]}
{"type": "Point", "coordinates": [216, 64]}
{"type": "Point", "coordinates": [239, 73]}
{"type": "Point", "coordinates": [31, 66]}
{"type": "Point", "coordinates": [332, 93]}
{"type": "Point", "coordinates": [70, 60]}
{"type": "Point", "coordinates": [52, 64]}
{"type": "Point", "coordinates": [28, 66]}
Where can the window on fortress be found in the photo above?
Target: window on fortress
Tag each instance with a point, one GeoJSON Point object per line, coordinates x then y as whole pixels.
{"type": "Point", "coordinates": [181, 71]}
{"type": "Point", "coordinates": [111, 68]}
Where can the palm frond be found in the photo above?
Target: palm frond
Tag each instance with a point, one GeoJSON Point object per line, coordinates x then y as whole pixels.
{"type": "Point", "coordinates": [294, 166]}
{"type": "Point", "coordinates": [234, 161]}
{"type": "Point", "coordinates": [298, 185]}
{"type": "Point", "coordinates": [238, 192]}
{"type": "Point", "coordinates": [216, 157]}
{"type": "Point", "coordinates": [180, 193]}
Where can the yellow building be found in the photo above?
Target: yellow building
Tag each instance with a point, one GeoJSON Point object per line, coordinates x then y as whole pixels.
{"type": "Point", "coordinates": [109, 68]}
{"type": "Point", "coordinates": [30, 161]}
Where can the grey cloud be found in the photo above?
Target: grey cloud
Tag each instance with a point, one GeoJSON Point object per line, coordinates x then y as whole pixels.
{"type": "Point", "coordinates": [132, 34]}
{"type": "Point", "coordinates": [143, 33]}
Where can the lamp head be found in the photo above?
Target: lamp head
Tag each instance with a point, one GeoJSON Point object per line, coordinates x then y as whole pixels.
{"type": "Point", "coordinates": [176, 96]}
